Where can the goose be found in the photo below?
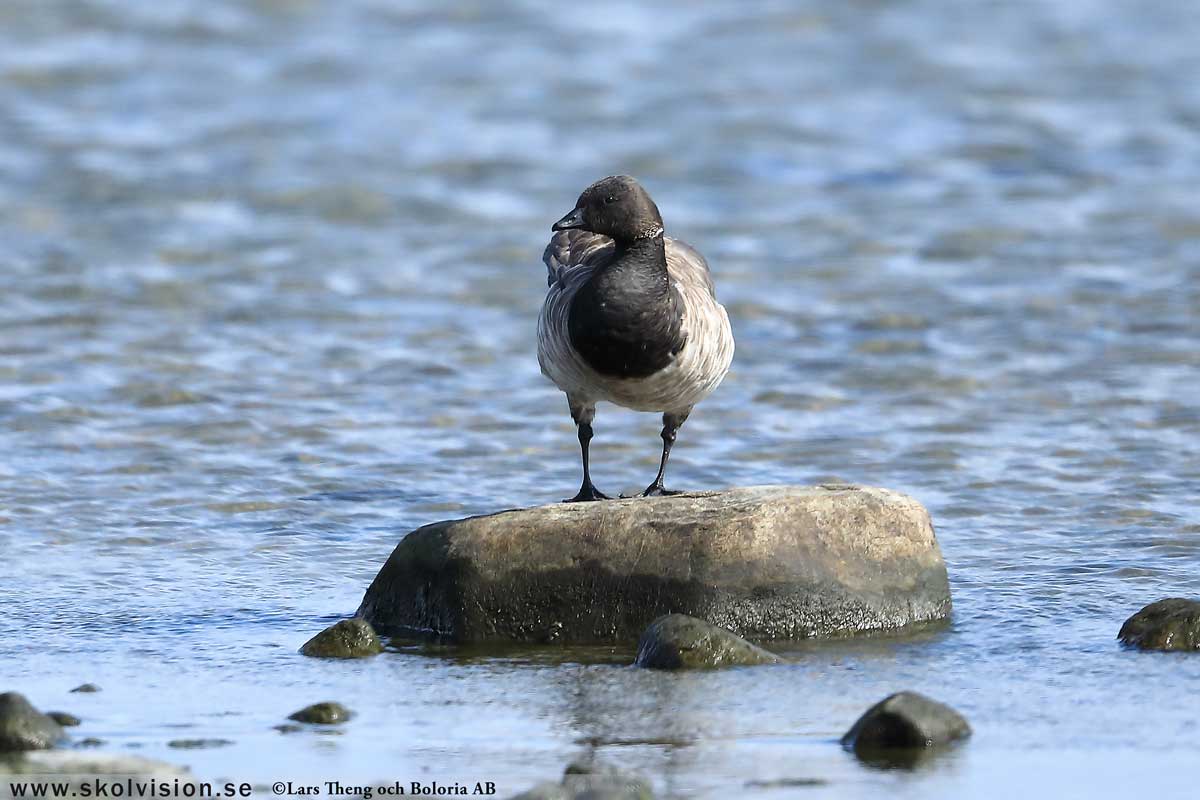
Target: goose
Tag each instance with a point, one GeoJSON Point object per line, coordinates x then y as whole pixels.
{"type": "Point", "coordinates": [631, 317]}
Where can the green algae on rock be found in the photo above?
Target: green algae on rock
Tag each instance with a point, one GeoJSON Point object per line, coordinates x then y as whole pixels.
{"type": "Point", "coordinates": [23, 727]}
{"type": "Point", "coordinates": [677, 641]}
{"type": "Point", "coordinates": [349, 638]}
{"type": "Point", "coordinates": [1170, 624]}
{"type": "Point", "coordinates": [327, 713]}
{"type": "Point", "coordinates": [766, 562]}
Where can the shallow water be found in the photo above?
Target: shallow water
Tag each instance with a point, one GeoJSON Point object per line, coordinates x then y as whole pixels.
{"type": "Point", "coordinates": [272, 272]}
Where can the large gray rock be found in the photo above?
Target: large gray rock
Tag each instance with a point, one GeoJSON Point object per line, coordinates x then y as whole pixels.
{"type": "Point", "coordinates": [74, 769]}
{"type": "Point", "coordinates": [23, 727]}
{"type": "Point", "coordinates": [678, 641]}
{"type": "Point", "coordinates": [1171, 624]}
{"type": "Point", "coordinates": [767, 562]}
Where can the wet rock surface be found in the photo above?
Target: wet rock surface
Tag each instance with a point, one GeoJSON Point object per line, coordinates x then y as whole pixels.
{"type": "Point", "coordinates": [905, 721]}
{"type": "Point", "coordinates": [323, 714]}
{"type": "Point", "coordinates": [349, 638]}
{"type": "Point", "coordinates": [677, 641]}
{"type": "Point", "coordinates": [589, 782]}
{"type": "Point", "coordinates": [766, 562]}
{"type": "Point", "coordinates": [1171, 624]}
{"type": "Point", "coordinates": [74, 767]}
{"type": "Point", "coordinates": [23, 727]}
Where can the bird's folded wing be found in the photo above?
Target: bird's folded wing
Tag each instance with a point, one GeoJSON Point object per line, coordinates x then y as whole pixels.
{"type": "Point", "coordinates": [687, 267]}
{"type": "Point", "coordinates": [575, 248]}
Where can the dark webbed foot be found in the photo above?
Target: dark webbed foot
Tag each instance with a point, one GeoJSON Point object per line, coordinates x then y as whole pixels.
{"type": "Point", "coordinates": [658, 490]}
{"type": "Point", "coordinates": [587, 494]}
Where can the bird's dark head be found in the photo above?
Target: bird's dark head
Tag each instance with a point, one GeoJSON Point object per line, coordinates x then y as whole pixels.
{"type": "Point", "coordinates": [618, 207]}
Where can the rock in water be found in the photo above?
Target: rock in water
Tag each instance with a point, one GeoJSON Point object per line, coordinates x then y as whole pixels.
{"type": "Point", "coordinates": [349, 638]}
{"type": "Point", "coordinates": [678, 641]}
{"type": "Point", "coordinates": [327, 713]}
{"type": "Point", "coordinates": [591, 783]}
{"type": "Point", "coordinates": [75, 769]}
{"type": "Point", "coordinates": [905, 720]}
{"type": "Point", "coordinates": [23, 727]}
{"type": "Point", "coordinates": [1171, 624]}
{"type": "Point", "coordinates": [194, 744]}
{"type": "Point", "coordinates": [63, 718]}
{"type": "Point", "coordinates": [767, 562]}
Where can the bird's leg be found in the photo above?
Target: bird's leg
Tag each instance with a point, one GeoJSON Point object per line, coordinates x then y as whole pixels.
{"type": "Point", "coordinates": [587, 492]}
{"type": "Point", "coordinates": [671, 424]}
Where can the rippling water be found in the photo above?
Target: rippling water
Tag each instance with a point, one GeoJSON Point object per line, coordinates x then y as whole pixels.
{"type": "Point", "coordinates": [271, 274]}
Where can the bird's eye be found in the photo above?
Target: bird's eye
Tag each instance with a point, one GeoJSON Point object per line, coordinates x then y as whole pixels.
{"type": "Point", "coordinates": [610, 199]}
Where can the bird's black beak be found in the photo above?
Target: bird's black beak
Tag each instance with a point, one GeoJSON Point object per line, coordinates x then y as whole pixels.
{"type": "Point", "coordinates": [574, 219]}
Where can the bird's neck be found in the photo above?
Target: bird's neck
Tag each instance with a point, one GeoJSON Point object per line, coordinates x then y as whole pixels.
{"type": "Point", "coordinates": [639, 264]}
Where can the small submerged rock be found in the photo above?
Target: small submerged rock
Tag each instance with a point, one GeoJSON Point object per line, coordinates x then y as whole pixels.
{"type": "Point", "coordinates": [787, 783]}
{"type": "Point", "coordinates": [677, 641]}
{"type": "Point", "coordinates": [63, 718]}
{"type": "Point", "coordinates": [586, 782]}
{"type": "Point", "coordinates": [197, 744]}
{"type": "Point", "coordinates": [23, 727]}
{"type": "Point", "coordinates": [1171, 624]}
{"type": "Point", "coordinates": [905, 721]}
{"type": "Point", "coordinates": [323, 714]}
{"type": "Point", "coordinates": [86, 688]}
{"type": "Point", "coordinates": [349, 638]}
{"type": "Point", "coordinates": [91, 741]}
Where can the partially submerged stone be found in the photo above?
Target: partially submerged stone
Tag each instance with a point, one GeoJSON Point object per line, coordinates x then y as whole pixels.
{"type": "Point", "coordinates": [677, 641]}
{"type": "Point", "coordinates": [23, 727]}
{"type": "Point", "coordinates": [1171, 624]}
{"type": "Point", "coordinates": [905, 721]}
{"type": "Point", "coordinates": [198, 744]}
{"type": "Point", "coordinates": [766, 562]}
{"type": "Point", "coordinates": [585, 782]}
{"type": "Point", "coordinates": [63, 718]}
{"type": "Point", "coordinates": [323, 714]}
{"type": "Point", "coordinates": [349, 638]}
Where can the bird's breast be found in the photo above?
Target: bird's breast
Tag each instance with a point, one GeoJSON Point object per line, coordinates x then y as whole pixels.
{"type": "Point", "coordinates": [620, 332]}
